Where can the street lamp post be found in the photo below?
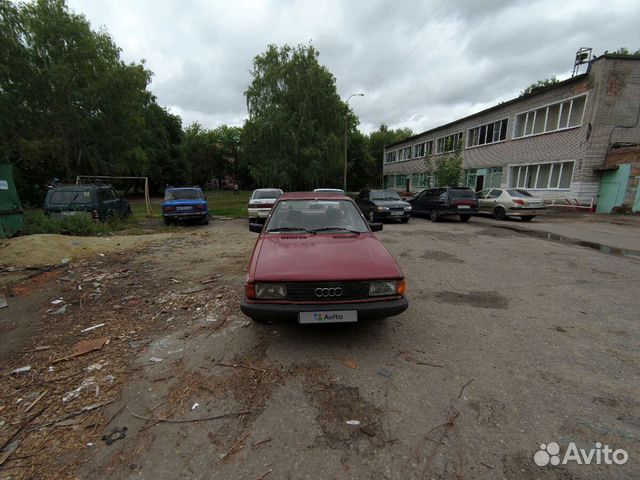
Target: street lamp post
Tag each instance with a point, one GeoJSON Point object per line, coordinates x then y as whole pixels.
{"type": "Point", "coordinates": [346, 131]}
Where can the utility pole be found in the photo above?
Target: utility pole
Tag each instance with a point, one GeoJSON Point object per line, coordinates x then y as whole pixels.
{"type": "Point", "coordinates": [346, 131]}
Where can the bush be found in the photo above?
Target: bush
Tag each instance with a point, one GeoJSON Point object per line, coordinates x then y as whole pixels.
{"type": "Point", "coordinates": [80, 225]}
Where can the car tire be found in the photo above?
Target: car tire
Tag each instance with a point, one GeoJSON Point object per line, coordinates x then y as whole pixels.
{"type": "Point", "coordinates": [434, 215]}
{"type": "Point", "coordinates": [372, 216]}
{"type": "Point", "coordinates": [499, 213]}
{"type": "Point", "coordinates": [167, 221]}
{"type": "Point", "coordinates": [528, 219]}
{"type": "Point", "coordinates": [404, 220]}
{"type": "Point", "coordinates": [465, 218]}
{"type": "Point", "coordinates": [204, 221]}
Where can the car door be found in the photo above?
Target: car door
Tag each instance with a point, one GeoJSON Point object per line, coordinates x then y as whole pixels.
{"type": "Point", "coordinates": [491, 200]}
{"type": "Point", "coordinates": [362, 200]}
{"type": "Point", "coordinates": [482, 199]}
{"type": "Point", "coordinates": [417, 202]}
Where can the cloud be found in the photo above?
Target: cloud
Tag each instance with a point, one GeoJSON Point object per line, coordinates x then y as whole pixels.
{"type": "Point", "coordinates": [421, 63]}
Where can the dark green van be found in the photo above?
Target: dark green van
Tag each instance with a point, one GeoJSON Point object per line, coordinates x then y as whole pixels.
{"type": "Point", "coordinates": [99, 202]}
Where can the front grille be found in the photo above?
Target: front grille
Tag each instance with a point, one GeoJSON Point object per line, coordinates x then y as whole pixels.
{"type": "Point", "coordinates": [305, 292]}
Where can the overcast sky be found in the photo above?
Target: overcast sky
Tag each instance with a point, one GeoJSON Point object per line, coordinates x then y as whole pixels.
{"type": "Point", "coordinates": [420, 63]}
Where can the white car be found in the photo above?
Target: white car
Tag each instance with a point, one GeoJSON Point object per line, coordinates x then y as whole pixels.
{"type": "Point", "coordinates": [261, 202]}
{"type": "Point", "coordinates": [328, 190]}
{"type": "Point", "coordinates": [504, 203]}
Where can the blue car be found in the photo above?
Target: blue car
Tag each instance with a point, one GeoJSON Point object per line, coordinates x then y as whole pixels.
{"type": "Point", "coordinates": [185, 203]}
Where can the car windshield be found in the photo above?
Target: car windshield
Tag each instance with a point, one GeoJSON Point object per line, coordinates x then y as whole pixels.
{"type": "Point", "coordinates": [70, 197]}
{"type": "Point", "coordinates": [316, 215]}
{"type": "Point", "coordinates": [461, 193]}
{"type": "Point", "coordinates": [260, 194]}
{"type": "Point", "coordinates": [184, 194]}
{"type": "Point", "coordinates": [384, 195]}
{"type": "Point", "coordinates": [519, 193]}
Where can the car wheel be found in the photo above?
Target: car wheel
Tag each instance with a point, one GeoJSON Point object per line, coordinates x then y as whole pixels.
{"type": "Point", "coordinates": [372, 216]}
{"type": "Point", "coordinates": [128, 213]}
{"type": "Point", "coordinates": [204, 221]}
{"type": "Point", "coordinates": [465, 218]}
{"type": "Point", "coordinates": [499, 213]}
{"type": "Point", "coordinates": [529, 218]}
{"type": "Point", "coordinates": [434, 215]}
{"type": "Point", "coordinates": [167, 221]}
{"type": "Point", "coordinates": [405, 220]}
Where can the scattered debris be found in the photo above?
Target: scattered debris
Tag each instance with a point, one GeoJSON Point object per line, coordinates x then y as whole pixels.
{"type": "Point", "coordinates": [465, 386]}
{"type": "Point", "coordinates": [88, 329]}
{"type": "Point", "coordinates": [353, 422]}
{"type": "Point", "coordinates": [384, 372]}
{"type": "Point", "coordinates": [3, 301]}
{"type": "Point", "coordinates": [260, 443]}
{"type": "Point", "coordinates": [368, 430]}
{"type": "Point", "coordinates": [194, 406]}
{"type": "Point", "coordinates": [35, 401]}
{"type": "Point", "coordinates": [75, 393]}
{"type": "Point", "coordinates": [347, 362]}
{"type": "Point", "coordinates": [42, 347]}
{"type": "Point", "coordinates": [21, 370]}
{"type": "Point", "coordinates": [114, 435]}
{"type": "Point", "coordinates": [430, 364]}
{"type": "Point", "coordinates": [57, 302]}
{"type": "Point", "coordinates": [239, 365]}
{"type": "Point", "coordinates": [61, 311]}
{"type": "Point", "coordinates": [265, 474]}
{"type": "Point", "coordinates": [155, 359]}
{"type": "Point", "coordinates": [96, 366]}
{"type": "Point", "coordinates": [487, 465]}
{"type": "Point", "coordinates": [84, 347]}
{"type": "Point", "coordinates": [191, 420]}
{"type": "Point", "coordinates": [191, 290]}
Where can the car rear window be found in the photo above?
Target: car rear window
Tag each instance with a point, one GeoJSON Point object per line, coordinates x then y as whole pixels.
{"type": "Point", "coordinates": [260, 194]}
{"type": "Point", "coordinates": [519, 193]}
{"type": "Point", "coordinates": [184, 194]}
{"type": "Point", "coordinates": [461, 193]}
{"type": "Point", "coordinates": [384, 195]}
{"type": "Point", "coordinates": [70, 197]}
{"type": "Point", "coordinates": [289, 215]}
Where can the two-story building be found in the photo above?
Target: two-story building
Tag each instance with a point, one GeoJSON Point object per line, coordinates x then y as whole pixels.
{"type": "Point", "coordinates": [554, 141]}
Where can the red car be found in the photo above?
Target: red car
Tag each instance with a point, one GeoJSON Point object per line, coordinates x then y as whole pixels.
{"type": "Point", "coordinates": [317, 261]}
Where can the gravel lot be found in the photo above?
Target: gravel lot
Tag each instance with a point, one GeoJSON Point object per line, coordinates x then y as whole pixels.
{"type": "Point", "coordinates": [510, 341]}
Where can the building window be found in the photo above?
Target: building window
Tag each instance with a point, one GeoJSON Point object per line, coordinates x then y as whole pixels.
{"type": "Point", "coordinates": [429, 148]}
{"type": "Point", "coordinates": [420, 180]}
{"type": "Point", "coordinates": [418, 150]}
{"type": "Point", "coordinates": [389, 181]}
{"type": "Point", "coordinates": [404, 154]}
{"type": "Point", "coordinates": [390, 157]}
{"type": "Point", "coordinates": [543, 176]}
{"type": "Point", "coordinates": [489, 133]}
{"type": "Point", "coordinates": [401, 181]}
{"type": "Point", "coordinates": [567, 114]}
{"type": "Point", "coordinates": [449, 143]}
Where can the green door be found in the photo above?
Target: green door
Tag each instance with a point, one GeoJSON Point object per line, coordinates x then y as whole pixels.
{"type": "Point", "coordinates": [636, 203]}
{"type": "Point", "coordinates": [613, 186]}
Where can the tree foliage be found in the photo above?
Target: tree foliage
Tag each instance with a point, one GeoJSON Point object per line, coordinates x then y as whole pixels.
{"type": "Point", "coordinates": [69, 105]}
{"type": "Point", "coordinates": [446, 169]}
{"type": "Point", "coordinates": [540, 84]}
{"type": "Point", "coordinates": [626, 51]}
{"type": "Point", "coordinates": [293, 138]}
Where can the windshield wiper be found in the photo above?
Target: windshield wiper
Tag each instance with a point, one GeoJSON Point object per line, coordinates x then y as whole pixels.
{"type": "Point", "coordinates": [290, 229]}
{"type": "Point", "coordinates": [324, 229]}
{"type": "Point", "coordinates": [73, 200]}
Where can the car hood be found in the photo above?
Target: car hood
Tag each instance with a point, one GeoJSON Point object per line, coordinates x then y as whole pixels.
{"type": "Point", "coordinates": [390, 203]}
{"type": "Point", "coordinates": [194, 201]}
{"type": "Point", "coordinates": [321, 257]}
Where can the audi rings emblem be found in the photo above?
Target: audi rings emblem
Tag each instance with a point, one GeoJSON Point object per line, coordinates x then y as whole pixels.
{"type": "Point", "coordinates": [328, 292]}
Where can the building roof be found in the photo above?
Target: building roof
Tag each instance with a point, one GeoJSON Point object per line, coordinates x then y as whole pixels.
{"type": "Point", "coordinates": [611, 56]}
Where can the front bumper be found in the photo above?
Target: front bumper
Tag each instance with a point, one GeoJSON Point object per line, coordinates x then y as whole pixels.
{"type": "Point", "coordinates": [289, 311]}
{"type": "Point", "coordinates": [260, 213]}
{"type": "Point", "coordinates": [389, 216]}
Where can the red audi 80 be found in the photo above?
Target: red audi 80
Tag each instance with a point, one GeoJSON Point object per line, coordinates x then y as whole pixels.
{"type": "Point", "coordinates": [317, 260]}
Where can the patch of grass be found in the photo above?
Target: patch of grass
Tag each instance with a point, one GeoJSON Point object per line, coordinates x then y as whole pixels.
{"type": "Point", "coordinates": [224, 204]}
{"type": "Point", "coordinates": [36, 222]}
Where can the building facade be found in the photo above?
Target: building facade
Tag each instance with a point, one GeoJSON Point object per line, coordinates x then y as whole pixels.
{"type": "Point", "coordinates": [554, 142]}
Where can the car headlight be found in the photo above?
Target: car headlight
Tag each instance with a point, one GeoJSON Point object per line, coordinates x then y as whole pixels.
{"type": "Point", "coordinates": [408, 207]}
{"type": "Point", "coordinates": [385, 287]}
{"type": "Point", "coordinates": [382, 209]}
{"type": "Point", "coordinates": [271, 291]}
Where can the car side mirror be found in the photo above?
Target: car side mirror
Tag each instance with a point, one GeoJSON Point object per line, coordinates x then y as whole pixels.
{"type": "Point", "coordinates": [256, 227]}
{"type": "Point", "coordinates": [376, 227]}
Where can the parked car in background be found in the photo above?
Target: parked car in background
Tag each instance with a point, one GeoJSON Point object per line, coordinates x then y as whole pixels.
{"type": "Point", "coordinates": [504, 203]}
{"type": "Point", "coordinates": [261, 202]}
{"type": "Point", "coordinates": [444, 201]}
{"type": "Point", "coordinates": [317, 261]}
{"type": "Point", "coordinates": [99, 202]}
{"type": "Point", "coordinates": [383, 205]}
{"type": "Point", "coordinates": [329, 190]}
{"type": "Point", "coordinates": [185, 203]}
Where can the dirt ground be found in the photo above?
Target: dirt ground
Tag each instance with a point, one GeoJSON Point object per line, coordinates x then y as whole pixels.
{"type": "Point", "coordinates": [510, 341]}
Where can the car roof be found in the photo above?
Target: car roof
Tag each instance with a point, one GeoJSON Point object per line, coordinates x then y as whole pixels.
{"type": "Point", "coordinates": [263, 189]}
{"type": "Point", "coordinates": [312, 196]}
{"type": "Point", "coordinates": [83, 186]}
{"type": "Point", "coordinates": [184, 188]}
